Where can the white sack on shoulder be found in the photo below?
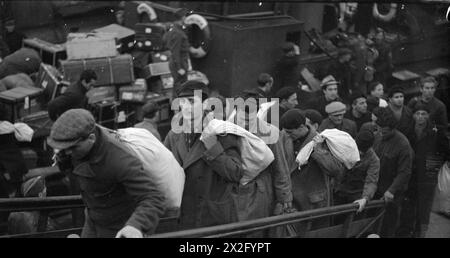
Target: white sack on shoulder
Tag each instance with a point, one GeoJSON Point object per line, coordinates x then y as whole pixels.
{"type": "Point", "coordinates": [255, 154]}
{"type": "Point", "coordinates": [158, 161]}
{"type": "Point", "coordinates": [341, 145]}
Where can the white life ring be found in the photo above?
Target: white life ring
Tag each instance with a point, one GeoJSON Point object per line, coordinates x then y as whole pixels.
{"type": "Point", "coordinates": [386, 17]}
{"type": "Point", "coordinates": [146, 8]}
{"type": "Point", "coordinates": [202, 24]}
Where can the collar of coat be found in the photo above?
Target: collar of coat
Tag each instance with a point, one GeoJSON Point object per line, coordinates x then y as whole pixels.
{"type": "Point", "coordinates": [96, 154]}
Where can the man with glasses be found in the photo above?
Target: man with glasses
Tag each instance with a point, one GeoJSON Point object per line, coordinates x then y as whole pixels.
{"type": "Point", "coordinates": [121, 198]}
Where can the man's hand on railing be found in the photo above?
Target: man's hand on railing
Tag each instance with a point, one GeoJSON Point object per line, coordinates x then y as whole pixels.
{"type": "Point", "coordinates": [388, 197]}
{"type": "Point", "coordinates": [129, 232]}
{"type": "Point", "coordinates": [287, 207]}
{"type": "Point", "coordinates": [283, 208]}
{"type": "Point", "coordinates": [362, 204]}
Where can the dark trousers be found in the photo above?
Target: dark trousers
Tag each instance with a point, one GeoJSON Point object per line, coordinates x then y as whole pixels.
{"type": "Point", "coordinates": [91, 230]}
{"type": "Point", "coordinates": [178, 80]}
{"type": "Point", "coordinates": [391, 217]}
{"type": "Point", "coordinates": [416, 208]}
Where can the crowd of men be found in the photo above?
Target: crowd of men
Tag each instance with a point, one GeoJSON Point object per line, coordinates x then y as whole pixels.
{"type": "Point", "coordinates": [398, 146]}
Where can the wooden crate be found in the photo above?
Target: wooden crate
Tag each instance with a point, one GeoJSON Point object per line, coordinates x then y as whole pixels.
{"type": "Point", "coordinates": [50, 53]}
{"type": "Point", "coordinates": [20, 102]}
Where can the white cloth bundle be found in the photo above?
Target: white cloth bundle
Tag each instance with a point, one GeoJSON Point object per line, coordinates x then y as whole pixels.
{"type": "Point", "coordinates": [256, 155]}
{"type": "Point", "coordinates": [341, 145]}
{"type": "Point", "coordinates": [267, 132]}
{"type": "Point", "coordinates": [22, 131]}
{"type": "Point", "coordinates": [158, 161]}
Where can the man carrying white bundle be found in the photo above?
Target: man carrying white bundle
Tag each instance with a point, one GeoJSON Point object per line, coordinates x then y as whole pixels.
{"type": "Point", "coordinates": [121, 198]}
{"type": "Point", "coordinates": [212, 164]}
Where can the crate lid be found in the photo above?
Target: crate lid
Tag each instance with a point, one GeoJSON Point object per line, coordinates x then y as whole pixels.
{"type": "Point", "coordinates": [20, 93]}
{"type": "Point", "coordinates": [73, 37]}
{"type": "Point", "coordinates": [42, 44]}
{"type": "Point", "coordinates": [120, 31]}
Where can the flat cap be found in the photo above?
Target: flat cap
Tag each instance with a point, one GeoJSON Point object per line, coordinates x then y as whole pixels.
{"type": "Point", "coordinates": [72, 126]}
{"type": "Point", "coordinates": [335, 108]}
{"type": "Point", "coordinates": [292, 119]}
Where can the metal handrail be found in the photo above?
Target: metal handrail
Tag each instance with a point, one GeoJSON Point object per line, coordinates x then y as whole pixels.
{"type": "Point", "coordinates": [244, 227]}
{"type": "Point", "coordinates": [225, 230]}
{"type": "Point", "coordinates": [35, 203]}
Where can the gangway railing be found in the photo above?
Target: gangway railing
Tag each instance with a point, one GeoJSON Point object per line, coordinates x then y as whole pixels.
{"type": "Point", "coordinates": [351, 227]}
{"type": "Point", "coordinates": [56, 203]}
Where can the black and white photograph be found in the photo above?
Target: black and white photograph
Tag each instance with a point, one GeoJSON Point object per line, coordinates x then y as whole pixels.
{"type": "Point", "coordinates": [241, 121]}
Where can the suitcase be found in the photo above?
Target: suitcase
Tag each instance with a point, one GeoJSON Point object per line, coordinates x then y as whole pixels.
{"type": "Point", "coordinates": [50, 80]}
{"type": "Point", "coordinates": [101, 94]}
{"type": "Point", "coordinates": [149, 36]}
{"type": "Point", "coordinates": [409, 81]}
{"type": "Point", "coordinates": [167, 81]}
{"type": "Point", "coordinates": [30, 157]}
{"type": "Point", "coordinates": [155, 69]}
{"type": "Point", "coordinates": [90, 45]}
{"type": "Point", "coordinates": [50, 53]}
{"type": "Point", "coordinates": [105, 113]}
{"type": "Point", "coordinates": [163, 102]}
{"type": "Point", "coordinates": [110, 71]}
{"type": "Point", "coordinates": [20, 102]}
{"type": "Point", "coordinates": [124, 36]}
{"type": "Point", "coordinates": [135, 93]}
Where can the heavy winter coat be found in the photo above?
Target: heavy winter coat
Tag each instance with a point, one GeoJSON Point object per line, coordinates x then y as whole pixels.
{"type": "Point", "coordinates": [211, 176]}
{"type": "Point", "coordinates": [116, 189]}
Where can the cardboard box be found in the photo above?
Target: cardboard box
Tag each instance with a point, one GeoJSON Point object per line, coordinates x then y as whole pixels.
{"type": "Point", "coordinates": [91, 45]}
